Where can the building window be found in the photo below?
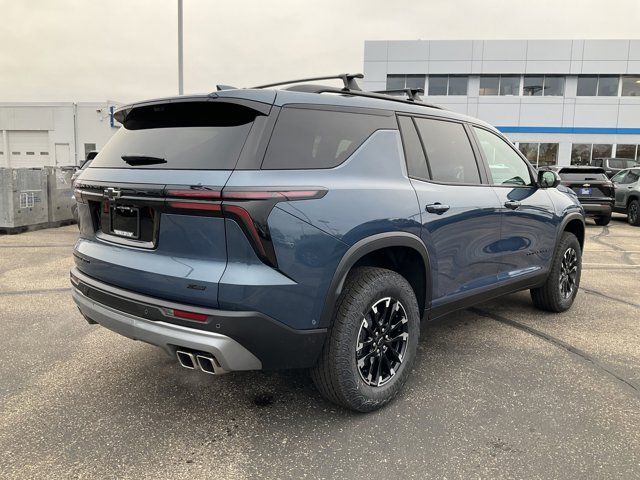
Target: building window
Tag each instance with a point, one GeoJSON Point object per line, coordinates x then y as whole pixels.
{"type": "Point", "coordinates": [583, 153]}
{"type": "Point", "coordinates": [533, 85]}
{"type": "Point", "coordinates": [547, 85]}
{"type": "Point", "coordinates": [509, 84]}
{"type": "Point", "coordinates": [529, 150]}
{"type": "Point", "coordinates": [88, 147]}
{"type": "Point", "coordinates": [626, 151]}
{"type": "Point", "coordinates": [31, 153]}
{"type": "Point", "coordinates": [547, 154]}
{"type": "Point", "coordinates": [631, 86]}
{"type": "Point", "coordinates": [402, 81]}
{"type": "Point", "coordinates": [540, 154]}
{"type": "Point", "coordinates": [448, 84]}
{"type": "Point", "coordinates": [580, 153]}
{"type": "Point", "coordinates": [438, 84]}
{"type": "Point", "coordinates": [500, 85]}
{"type": "Point", "coordinates": [598, 85]}
{"type": "Point", "coordinates": [489, 84]}
{"type": "Point", "coordinates": [44, 153]}
{"type": "Point", "coordinates": [601, 150]}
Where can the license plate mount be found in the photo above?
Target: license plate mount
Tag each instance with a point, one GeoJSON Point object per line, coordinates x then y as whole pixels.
{"type": "Point", "coordinates": [125, 221]}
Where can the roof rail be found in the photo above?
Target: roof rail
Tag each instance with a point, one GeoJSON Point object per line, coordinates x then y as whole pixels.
{"type": "Point", "coordinates": [349, 80]}
{"type": "Point", "coordinates": [357, 93]}
{"type": "Point", "coordinates": [412, 94]}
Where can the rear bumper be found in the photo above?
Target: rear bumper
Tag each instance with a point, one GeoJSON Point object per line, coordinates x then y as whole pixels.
{"type": "Point", "coordinates": [238, 340]}
{"type": "Point", "coordinates": [604, 208]}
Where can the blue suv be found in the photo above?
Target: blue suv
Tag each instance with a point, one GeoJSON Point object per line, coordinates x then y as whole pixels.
{"type": "Point", "coordinates": [312, 227]}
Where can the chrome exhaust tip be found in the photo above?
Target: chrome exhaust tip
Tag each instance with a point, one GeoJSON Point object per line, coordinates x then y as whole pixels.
{"type": "Point", "coordinates": [186, 359]}
{"type": "Point", "coordinates": [209, 365]}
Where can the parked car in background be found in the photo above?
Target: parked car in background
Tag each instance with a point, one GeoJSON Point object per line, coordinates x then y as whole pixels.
{"type": "Point", "coordinates": [312, 227]}
{"type": "Point", "coordinates": [627, 191]}
{"type": "Point", "coordinates": [612, 166]}
{"type": "Point", "coordinates": [87, 161]}
{"type": "Point", "coordinates": [593, 188]}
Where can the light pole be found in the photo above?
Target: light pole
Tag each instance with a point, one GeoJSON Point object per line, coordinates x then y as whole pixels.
{"type": "Point", "coordinates": [180, 66]}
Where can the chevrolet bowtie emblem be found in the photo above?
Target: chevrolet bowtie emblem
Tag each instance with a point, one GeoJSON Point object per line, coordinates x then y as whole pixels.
{"type": "Point", "coordinates": [112, 193]}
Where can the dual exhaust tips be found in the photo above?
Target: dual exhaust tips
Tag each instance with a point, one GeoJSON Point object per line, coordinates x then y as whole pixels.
{"type": "Point", "coordinates": [204, 361]}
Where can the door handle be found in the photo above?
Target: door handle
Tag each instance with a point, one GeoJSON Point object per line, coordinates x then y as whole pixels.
{"type": "Point", "coordinates": [512, 204]}
{"type": "Point", "coordinates": [437, 208]}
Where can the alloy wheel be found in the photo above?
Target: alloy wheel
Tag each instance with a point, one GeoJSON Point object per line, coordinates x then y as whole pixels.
{"type": "Point", "coordinates": [568, 272]}
{"type": "Point", "coordinates": [633, 213]}
{"type": "Point", "coordinates": [382, 341]}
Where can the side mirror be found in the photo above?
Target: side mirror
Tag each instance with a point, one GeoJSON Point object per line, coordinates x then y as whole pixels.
{"type": "Point", "coordinates": [548, 179]}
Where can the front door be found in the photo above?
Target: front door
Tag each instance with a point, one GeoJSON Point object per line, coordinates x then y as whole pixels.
{"type": "Point", "coordinates": [528, 217]}
{"type": "Point", "coordinates": [63, 156]}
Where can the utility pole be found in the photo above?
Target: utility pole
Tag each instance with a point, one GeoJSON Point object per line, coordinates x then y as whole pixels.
{"type": "Point", "coordinates": [180, 63]}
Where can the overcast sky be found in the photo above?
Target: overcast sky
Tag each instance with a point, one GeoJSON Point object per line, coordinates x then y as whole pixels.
{"type": "Point", "coordinates": [75, 50]}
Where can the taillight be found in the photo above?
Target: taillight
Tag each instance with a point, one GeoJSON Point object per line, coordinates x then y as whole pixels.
{"type": "Point", "coordinates": [210, 207]}
{"type": "Point", "coordinates": [250, 208]}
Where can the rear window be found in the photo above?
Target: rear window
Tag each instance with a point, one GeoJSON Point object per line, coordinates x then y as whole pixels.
{"type": "Point", "coordinates": [620, 163]}
{"type": "Point", "coordinates": [188, 135]}
{"type": "Point", "coordinates": [574, 174]}
{"type": "Point", "coordinates": [305, 138]}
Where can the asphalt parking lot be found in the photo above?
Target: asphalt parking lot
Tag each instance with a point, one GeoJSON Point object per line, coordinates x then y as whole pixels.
{"type": "Point", "coordinates": [498, 391]}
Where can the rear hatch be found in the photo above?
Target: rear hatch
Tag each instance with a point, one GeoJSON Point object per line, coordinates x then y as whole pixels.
{"type": "Point", "coordinates": [590, 184]}
{"type": "Point", "coordinates": [149, 203]}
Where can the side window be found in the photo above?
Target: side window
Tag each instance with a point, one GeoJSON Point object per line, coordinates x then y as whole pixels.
{"type": "Point", "coordinates": [312, 138]}
{"type": "Point", "coordinates": [416, 161]}
{"type": "Point", "coordinates": [449, 153]}
{"type": "Point", "coordinates": [505, 165]}
{"type": "Point", "coordinates": [633, 176]}
{"type": "Point", "coordinates": [619, 177]}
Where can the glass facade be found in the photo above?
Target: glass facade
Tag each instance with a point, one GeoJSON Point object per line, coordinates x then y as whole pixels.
{"type": "Point", "coordinates": [631, 86]}
{"type": "Point", "coordinates": [598, 85]}
{"type": "Point", "coordinates": [448, 84]}
{"type": "Point", "coordinates": [540, 154]}
{"type": "Point", "coordinates": [547, 85]}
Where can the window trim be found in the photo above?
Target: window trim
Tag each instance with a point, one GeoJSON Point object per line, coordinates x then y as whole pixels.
{"type": "Point", "coordinates": [484, 180]}
{"type": "Point", "coordinates": [532, 171]}
{"type": "Point", "coordinates": [404, 147]}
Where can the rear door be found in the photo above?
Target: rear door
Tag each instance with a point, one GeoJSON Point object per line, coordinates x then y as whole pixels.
{"type": "Point", "coordinates": [460, 212]}
{"type": "Point", "coordinates": [150, 202]}
{"type": "Point", "coordinates": [528, 219]}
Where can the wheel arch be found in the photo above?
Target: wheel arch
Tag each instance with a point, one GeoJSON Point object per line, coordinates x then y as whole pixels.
{"type": "Point", "coordinates": [373, 248]}
{"type": "Point", "coordinates": [573, 223]}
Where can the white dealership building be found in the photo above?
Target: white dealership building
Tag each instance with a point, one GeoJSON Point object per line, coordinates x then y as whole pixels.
{"type": "Point", "coordinates": [58, 134]}
{"type": "Point", "coordinates": [560, 101]}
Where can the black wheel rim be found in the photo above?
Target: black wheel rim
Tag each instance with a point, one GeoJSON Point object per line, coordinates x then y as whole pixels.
{"type": "Point", "coordinates": [568, 272]}
{"type": "Point", "coordinates": [633, 213]}
{"type": "Point", "coordinates": [382, 341]}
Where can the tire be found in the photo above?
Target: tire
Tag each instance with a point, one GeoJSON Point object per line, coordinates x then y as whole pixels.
{"type": "Point", "coordinates": [603, 220]}
{"type": "Point", "coordinates": [338, 375]}
{"type": "Point", "coordinates": [553, 295]}
{"type": "Point", "coordinates": [633, 213]}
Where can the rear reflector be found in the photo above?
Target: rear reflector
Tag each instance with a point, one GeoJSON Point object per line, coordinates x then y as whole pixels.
{"type": "Point", "coordinates": [197, 317]}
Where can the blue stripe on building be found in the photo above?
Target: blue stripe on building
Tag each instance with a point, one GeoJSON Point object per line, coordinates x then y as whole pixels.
{"type": "Point", "coordinates": [587, 130]}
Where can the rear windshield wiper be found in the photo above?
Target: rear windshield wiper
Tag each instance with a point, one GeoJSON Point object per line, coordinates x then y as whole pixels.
{"type": "Point", "coordinates": [135, 160]}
